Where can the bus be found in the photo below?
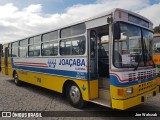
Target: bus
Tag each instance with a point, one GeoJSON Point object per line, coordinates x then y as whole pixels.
{"type": "Point", "coordinates": [87, 62]}
{"type": "Point", "coordinates": [156, 55]}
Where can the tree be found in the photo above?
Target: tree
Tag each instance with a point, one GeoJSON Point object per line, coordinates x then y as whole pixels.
{"type": "Point", "coordinates": [157, 29]}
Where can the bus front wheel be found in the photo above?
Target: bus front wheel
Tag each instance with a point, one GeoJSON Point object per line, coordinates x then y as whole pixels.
{"type": "Point", "coordinates": [16, 80]}
{"type": "Point", "coordinates": [74, 96]}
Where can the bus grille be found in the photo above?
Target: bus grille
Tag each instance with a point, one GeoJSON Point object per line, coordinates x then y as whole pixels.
{"type": "Point", "coordinates": [141, 75]}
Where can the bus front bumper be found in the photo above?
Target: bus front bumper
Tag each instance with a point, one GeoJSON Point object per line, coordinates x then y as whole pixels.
{"type": "Point", "coordinates": [130, 102]}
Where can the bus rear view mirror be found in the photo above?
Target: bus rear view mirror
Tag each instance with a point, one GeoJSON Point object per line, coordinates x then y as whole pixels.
{"type": "Point", "coordinates": [116, 31]}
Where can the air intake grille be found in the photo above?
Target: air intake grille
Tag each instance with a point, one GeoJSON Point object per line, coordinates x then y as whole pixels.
{"type": "Point", "coordinates": [145, 86]}
{"type": "Point", "coordinates": [141, 75]}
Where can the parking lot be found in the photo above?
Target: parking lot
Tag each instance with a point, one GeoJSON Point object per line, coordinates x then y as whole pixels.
{"type": "Point", "coordinates": [32, 98]}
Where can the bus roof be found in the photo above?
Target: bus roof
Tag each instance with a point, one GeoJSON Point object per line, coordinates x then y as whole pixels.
{"type": "Point", "coordinates": [106, 13]}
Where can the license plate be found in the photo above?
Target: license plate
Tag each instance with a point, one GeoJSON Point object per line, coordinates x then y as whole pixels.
{"type": "Point", "coordinates": [148, 97]}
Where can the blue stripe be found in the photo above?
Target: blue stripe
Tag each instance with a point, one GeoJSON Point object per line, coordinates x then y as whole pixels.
{"type": "Point", "coordinates": [65, 73]}
{"type": "Point", "coordinates": [115, 82]}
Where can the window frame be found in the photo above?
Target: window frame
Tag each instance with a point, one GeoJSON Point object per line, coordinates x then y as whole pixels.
{"type": "Point", "coordinates": [71, 29]}
{"type": "Point", "coordinates": [73, 39]}
{"type": "Point", "coordinates": [34, 45]}
{"type": "Point", "coordinates": [13, 47]}
{"type": "Point", "coordinates": [42, 39]}
{"type": "Point", "coordinates": [54, 42]}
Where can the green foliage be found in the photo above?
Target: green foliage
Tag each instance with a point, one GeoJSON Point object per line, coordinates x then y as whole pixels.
{"type": "Point", "coordinates": [157, 29]}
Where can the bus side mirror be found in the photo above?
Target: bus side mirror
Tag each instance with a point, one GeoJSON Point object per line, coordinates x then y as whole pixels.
{"type": "Point", "coordinates": [116, 31]}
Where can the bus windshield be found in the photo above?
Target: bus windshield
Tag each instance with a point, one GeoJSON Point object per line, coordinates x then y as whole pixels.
{"type": "Point", "coordinates": [156, 44]}
{"type": "Point", "coordinates": [147, 43]}
{"type": "Point", "coordinates": [128, 50]}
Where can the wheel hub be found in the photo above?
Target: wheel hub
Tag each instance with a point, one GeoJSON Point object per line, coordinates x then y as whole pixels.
{"type": "Point", "coordinates": [74, 94]}
{"type": "Point", "coordinates": [16, 78]}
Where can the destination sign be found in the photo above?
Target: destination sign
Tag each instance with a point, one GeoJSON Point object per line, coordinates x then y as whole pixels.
{"type": "Point", "coordinates": [137, 20]}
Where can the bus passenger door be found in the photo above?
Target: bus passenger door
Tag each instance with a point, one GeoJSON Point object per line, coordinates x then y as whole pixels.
{"type": "Point", "coordinates": [93, 56]}
{"type": "Point", "coordinates": [92, 63]}
{"type": "Point", "coordinates": [99, 65]}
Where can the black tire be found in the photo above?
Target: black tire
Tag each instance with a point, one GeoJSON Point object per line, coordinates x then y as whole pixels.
{"type": "Point", "coordinates": [16, 80]}
{"type": "Point", "coordinates": [74, 96]}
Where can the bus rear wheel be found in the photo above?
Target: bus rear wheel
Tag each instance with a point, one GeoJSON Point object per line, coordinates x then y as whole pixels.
{"type": "Point", "coordinates": [16, 79]}
{"type": "Point", "coordinates": [74, 96]}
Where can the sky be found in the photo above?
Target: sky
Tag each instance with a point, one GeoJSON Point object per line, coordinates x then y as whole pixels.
{"type": "Point", "coordinates": [23, 18]}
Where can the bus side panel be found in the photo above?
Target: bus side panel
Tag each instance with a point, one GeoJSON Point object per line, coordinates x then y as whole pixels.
{"type": "Point", "coordinates": [10, 70]}
{"type": "Point", "coordinates": [52, 82]}
{"type": "Point", "coordinates": [93, 89]}
{"type": "Point", "coordinates": [2, 66]}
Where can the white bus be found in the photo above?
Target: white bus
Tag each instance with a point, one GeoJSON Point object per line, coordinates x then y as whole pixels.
{"type": "Point", "coordinates": [76, 61]}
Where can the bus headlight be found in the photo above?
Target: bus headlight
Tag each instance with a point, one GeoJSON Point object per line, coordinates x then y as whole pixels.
{"type": "Point", "coordinates": [129, 90]}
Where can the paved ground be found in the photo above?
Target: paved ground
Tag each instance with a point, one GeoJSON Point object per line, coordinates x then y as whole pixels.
{"type": "Point", "coordinates": [33, 98]}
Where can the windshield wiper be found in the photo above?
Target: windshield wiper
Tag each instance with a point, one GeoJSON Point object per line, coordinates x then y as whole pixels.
{"type": "Point", "coordinates": [149, 58]}
{"type": "Point", "coordinates": [139, 60]}
{"type": "Point", "coordinates": [146, 60]}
